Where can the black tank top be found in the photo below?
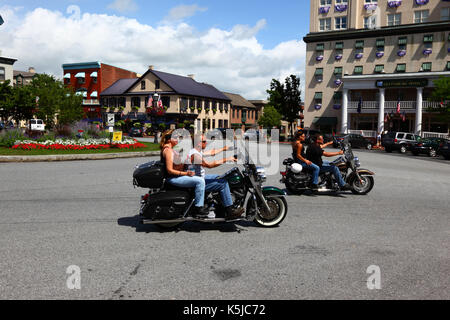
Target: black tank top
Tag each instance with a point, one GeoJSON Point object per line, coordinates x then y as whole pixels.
{"type": "Point", "coordinates": [294, 152]}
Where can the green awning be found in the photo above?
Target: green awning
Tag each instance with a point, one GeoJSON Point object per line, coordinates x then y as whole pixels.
{"type": "Point", "coordinates": [325, 121]}
{"type": "Point", "coordinates": [401, 67]}
{"type": "Point", "coordinates": [359, 44]}
{"type": "Point", "coordinates": [402, 40]}
{"type": "Point", "coordinates": [319, 72]}
{"type": "Point", "coordinates": [338, 70]}
{"type": "Point", "coordinates": [426, 66]}
{"type": "Point", "coordinates": [380, 43]}
{"type": "Point", "coordinates": [379, 67]}
{"type": "Point", "coordinates": [339, 45]}
{"type": "Point", "coordinates": [318, 96]}
{"type": "Point", "coordinates": [358, 70]}
{"type": "Point", "coordinates": [337, 95]}
{"type": "Point", "coordinates": [428, 38]}
{"type": "Point", "coordinates": [320, 47]}
{"type": "Point", "coordinates": [448, 65]}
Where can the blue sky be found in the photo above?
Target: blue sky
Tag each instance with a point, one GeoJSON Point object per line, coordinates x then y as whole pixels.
{"type": "Point", "coordinates": [260, 34]}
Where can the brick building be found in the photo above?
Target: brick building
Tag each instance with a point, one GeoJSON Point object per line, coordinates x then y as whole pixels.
{"type": "Point", "coordinates": [89, 79]}
{"type": "Point", "coordinates": [243, 113]}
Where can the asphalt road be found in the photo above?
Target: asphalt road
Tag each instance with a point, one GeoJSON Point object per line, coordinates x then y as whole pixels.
{"type": "Point", "coordinates": [83, 213]}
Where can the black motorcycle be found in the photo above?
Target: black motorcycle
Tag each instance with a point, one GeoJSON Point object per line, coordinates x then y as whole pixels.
{"type": "Point", "coordinates": [360, 180]}
{"type": "Point", "coordinates": [168, 206]}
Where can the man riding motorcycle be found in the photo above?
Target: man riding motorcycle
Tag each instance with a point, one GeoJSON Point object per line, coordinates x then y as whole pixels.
{"type": "Point", "coordinates": [315, 153]}
{"type": "Point", "coordinates": [196, 162]}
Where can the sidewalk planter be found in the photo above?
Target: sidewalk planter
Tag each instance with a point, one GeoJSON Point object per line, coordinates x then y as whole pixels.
{"type": "Point", "coordinates": [401, 53]}
{"type": "Point", "coordinates": [394, 4]}
{"type": "Point", "coordinates": [81, 144]}
{"type": "Point", "coordinates": [379, 54]}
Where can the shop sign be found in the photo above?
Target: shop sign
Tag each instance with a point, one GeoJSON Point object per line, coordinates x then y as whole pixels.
{"type": "Point", "coordinates": [401, 83]}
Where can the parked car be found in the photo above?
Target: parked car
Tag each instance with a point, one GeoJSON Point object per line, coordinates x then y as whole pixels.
{"type": "Point", "coordinates": [36, 125]}
{"type": "Point", "coordinates": [445, 150]}
{"type": "Point", "coordinates": [2, 125]}
{"type": "Point", "coordinates": [401, 141]}
{"type": "Point", "coordinates": [136, 132]}
{"type": "Point", "coordinates": [252, 134]}
{"type": "Point", "coordinates": [355, 140]}
{"type": "Point", "coordinates": [430, 146]}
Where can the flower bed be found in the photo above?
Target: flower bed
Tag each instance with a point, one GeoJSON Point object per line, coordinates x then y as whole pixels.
{"type": "Point", "coordinates": [81, 144]}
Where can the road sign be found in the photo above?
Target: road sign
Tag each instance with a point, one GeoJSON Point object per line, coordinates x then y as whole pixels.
{"type": "Point", "coordinates": [117, 136]}
{"type": "Point", "coordinates": [111, 119]}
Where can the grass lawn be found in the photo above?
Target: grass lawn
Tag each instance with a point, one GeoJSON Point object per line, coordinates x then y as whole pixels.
{"type": "Point", "coordinates": [11, 152]}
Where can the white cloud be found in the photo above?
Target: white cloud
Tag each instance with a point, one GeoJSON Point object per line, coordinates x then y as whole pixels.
{"type": "Point", "coordinates": [123, 6]}
{"type": "Point", "coordinates": [231, 60]}
{"type": "Point", "coordinates": [183, 11]}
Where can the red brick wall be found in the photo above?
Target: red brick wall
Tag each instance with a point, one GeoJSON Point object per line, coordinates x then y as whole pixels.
{"type": "Point", "coordinates": [88, 83]}
{"type": "Point", "coordinates": [110, 74]}
{"type": "Point", "coordinates": [251, 116]}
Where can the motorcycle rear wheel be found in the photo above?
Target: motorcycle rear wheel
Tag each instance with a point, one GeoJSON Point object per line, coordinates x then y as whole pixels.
{"type": "Point", "coordinates": [278, 211]}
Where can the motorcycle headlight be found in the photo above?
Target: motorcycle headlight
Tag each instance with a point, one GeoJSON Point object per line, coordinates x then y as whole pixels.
{"type": "Point", "coordinates": [261, 173]}
{"type": "Point", "coordinates": [357, 163]}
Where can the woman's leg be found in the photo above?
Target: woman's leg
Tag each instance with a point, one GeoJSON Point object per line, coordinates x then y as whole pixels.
{"type": "Point", "coordinates": [191, 182]}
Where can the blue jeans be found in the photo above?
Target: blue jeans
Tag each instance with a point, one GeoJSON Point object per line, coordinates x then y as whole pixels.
{"type": "Point", "coordinates": [191, 182]}
{"type": "Point", "coordinates": [327, 167]}
{"type": "Point", "coordinates": [219, 185]}
{"type": "Point", "coordinates": [315, 171]}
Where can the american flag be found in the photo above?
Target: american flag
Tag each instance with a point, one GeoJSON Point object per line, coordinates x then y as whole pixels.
{"type": "Point", "coordinates": [398, 106]}
{"type": "Point", "coordinates": [150, 102]}
{"type": "Point", "coordinates": [160, 103]}
{"type": "Point", "coordinates": [403, 116]}
{"type": "Point", "coordinates": [386, 117]}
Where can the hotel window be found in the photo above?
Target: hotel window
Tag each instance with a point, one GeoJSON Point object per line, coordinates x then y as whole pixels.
{"type": "Point", "coordinates": [122, 102]}
{"type": "Point", "coordinates": [2, 74]}
{"type": "Point", "coordinates": [426, 66]}
{"type": "Point", "coordinates": [325, 2]}
{"type": "Point", "coordinates": [371, 1]}
{"type": "Point", "coordinates": [80, 80]}
{"type": "Point", "coordinates": [402, 41]}
{"type": "Point", "coordinates": [156, 84]}
{"type": "Point", "coordinates": [338, 72]}
{"type": "Point", "coordinates": [325, 24]}
{"type": "Point", "coordinates": [359, 46]}
{"type": "Point", "coordinates": [136, 102]}
{"type": "Point", "coordinates": [380, 45]}
{"type": "Point", "coordinates": [401, 67]}
{"type": "Point", "coordinates": [394, 19]}
{"type": "Point", "coordinates": [447, 67]}
{"type": "Point", "coordinates": [445, 14]}
{"type": "Point", "coordinates": [94, 80]}
{"type": "Point", "coordinates": [340, 23]}
{"type": "Point", "coordinates": [428, 41]}
{"type": "Point", "coordinates": [183, 104]}
{"type": "Point", "coordinates": [319, 74]}
{"type": "Point", "coordinates": [421, 16]}
{"type": "Point", "coordinates": [142, 85]}
{"type": "Point", "coordinates": [337, 97]}
{"type": "Point", "coordinates": [341, 1]}
{"type": "Point", "coordinates": [318, 97]}
{"type": "Point", "coordinates": [379, 68]}
{"type": "Point", "coordinates": [339, 48]}
{"type": "Point", "coordinates": [358, 70]}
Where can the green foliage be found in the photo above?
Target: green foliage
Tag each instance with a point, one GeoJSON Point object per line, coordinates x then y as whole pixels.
{"type": "Point", "coordinates": [285, 98]}
{"type": "Point", "coordinates": [137, 125]}
{"type": "Point", "coordinates": [16, 102]}
{"type": "Point", "coordinates": [441, 93]}
{"type": "Point", "coordinates": [48, 136]}
{"type": "Point", "coordinates": [8, 137]}
{"type": "Point", "coordinates": [270, 118]}
{"type": "Point", "coordinates": [162, 126]}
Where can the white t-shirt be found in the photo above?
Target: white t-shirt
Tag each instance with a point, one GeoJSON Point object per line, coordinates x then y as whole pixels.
{"type": "Point", "coordinates": [196, 167]}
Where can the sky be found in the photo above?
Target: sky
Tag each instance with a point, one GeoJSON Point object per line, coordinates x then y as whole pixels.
{"type": "Point", "coordinates": [237, 46]}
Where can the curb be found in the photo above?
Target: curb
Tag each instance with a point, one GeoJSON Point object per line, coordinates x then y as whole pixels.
{"type": "Point", "coordinates": [76, 157]}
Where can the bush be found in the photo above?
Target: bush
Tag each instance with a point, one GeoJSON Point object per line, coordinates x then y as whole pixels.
{"type": "Point", "coordinates": [8, 137]}
{"type": "Point", "coordinates": [48, 136]}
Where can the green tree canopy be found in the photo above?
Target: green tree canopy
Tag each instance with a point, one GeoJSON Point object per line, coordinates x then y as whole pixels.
{"type": "Point", "coordinates": [270, 118]}
{"type": "Point", "coordinates": [285, 98]}
{"type": "Point", "coordinates": [441, 93]}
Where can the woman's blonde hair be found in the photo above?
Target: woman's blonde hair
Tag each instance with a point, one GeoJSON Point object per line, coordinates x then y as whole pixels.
{"type": "Point", "coordinates": [166, 136]}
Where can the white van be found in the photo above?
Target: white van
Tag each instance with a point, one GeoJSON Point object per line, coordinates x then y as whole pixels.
{"type": "Point", "coordinates": [36, 125]}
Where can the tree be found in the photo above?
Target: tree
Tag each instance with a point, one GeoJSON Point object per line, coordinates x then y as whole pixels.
{"type": "Point", "coordinates": [54, 99]}
{"type": "Point", "coordinates": [15, 102]}
{"type": "Point", "coordinates": [441, 93]}
{"type": "Point", "coordinates": [285, 98]}
{"type": "Point", "coordinates": [270, 118]}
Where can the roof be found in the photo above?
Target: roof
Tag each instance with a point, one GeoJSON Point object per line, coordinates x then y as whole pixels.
{"type": "Point", "coordinates": [187, 85]}
{"type": "Point", "coordinates": [119, 87]}
{"type": "Point", "coordinates": [24, 74]}
{"type": "Point", "coordinates": [239, 101]}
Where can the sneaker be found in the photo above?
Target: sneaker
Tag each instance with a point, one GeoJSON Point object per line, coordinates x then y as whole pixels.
{"type": "Point", "coordinates": [234, 213]}
{"type": "Point", "coordinates": [201, 212]}
{"type": "Point", "coordinates": [346, 187]}
{"type": "Point", "coordinates": [314, 187]}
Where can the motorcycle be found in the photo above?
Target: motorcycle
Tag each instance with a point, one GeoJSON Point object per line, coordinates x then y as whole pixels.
{"type": "Point", "coordinates": [361, 180]}
{"type": "Point", "coordinates": [168, 206]}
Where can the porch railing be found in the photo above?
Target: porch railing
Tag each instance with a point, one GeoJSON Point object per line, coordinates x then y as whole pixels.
{"type": "Point", "coordinates": [364, 133]}
{"type": "Point", "coordinates": [392, 105]}
{"type": "Point", "coordinates": [435, 135]}
{"type": "Point", "coordinates": [91, 101]}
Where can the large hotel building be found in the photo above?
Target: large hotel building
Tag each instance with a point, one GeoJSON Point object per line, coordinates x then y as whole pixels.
{"type": "Point", "coordinates": [367, 57]}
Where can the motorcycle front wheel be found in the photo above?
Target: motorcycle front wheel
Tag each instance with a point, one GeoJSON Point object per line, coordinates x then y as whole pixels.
{"type": "Point", "coordinates": [363, 187]}
{"type": "Point", "coordinates": [278, 211]}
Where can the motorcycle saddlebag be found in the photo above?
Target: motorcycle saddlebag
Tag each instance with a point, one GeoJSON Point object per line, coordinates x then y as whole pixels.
{"type": "Point", "coordinates": [149, 175]}
{"type": "Point", "coordinates": [166, 205]}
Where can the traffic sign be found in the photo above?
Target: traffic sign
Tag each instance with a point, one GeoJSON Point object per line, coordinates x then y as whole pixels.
{"type": "Point", "coordinates": [111, 119]}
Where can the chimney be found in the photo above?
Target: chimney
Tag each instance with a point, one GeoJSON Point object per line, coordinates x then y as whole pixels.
{"type": "Point", "coordinates": [31, 70]}
{"type": "Point", "coordinates": [191, 76]}
{"type": "Point", "coordinates": [151, 67]}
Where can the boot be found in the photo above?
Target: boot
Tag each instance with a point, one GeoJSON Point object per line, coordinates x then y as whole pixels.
{"type": "Point", "coordinates": [201, 212]}
{"type": "Point", "coordinates": [346, 187]}
{"type": "Point", "coordinates": [234, 213]}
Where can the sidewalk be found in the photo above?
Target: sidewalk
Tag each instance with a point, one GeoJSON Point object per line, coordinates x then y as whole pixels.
{"type": "Point", "coordinates": [76, 157]}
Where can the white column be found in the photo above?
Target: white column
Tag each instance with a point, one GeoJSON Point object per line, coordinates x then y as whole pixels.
{"type": "Point", "coordinates": [344, 122]}
{"type": "Point", "coordinates": [381, 111]}
{"type": "Point", "coordinates": [418, 129]}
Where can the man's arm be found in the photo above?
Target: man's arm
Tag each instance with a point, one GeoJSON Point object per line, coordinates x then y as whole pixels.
{"type": "Point", "coordinates": [332, 154]}
{"type": "Point", "coordinates": [196, 158]}
{"type": "Point", "coordinates": [213, 152]}
{"type": "Point", "coordinates": [326, 144]}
